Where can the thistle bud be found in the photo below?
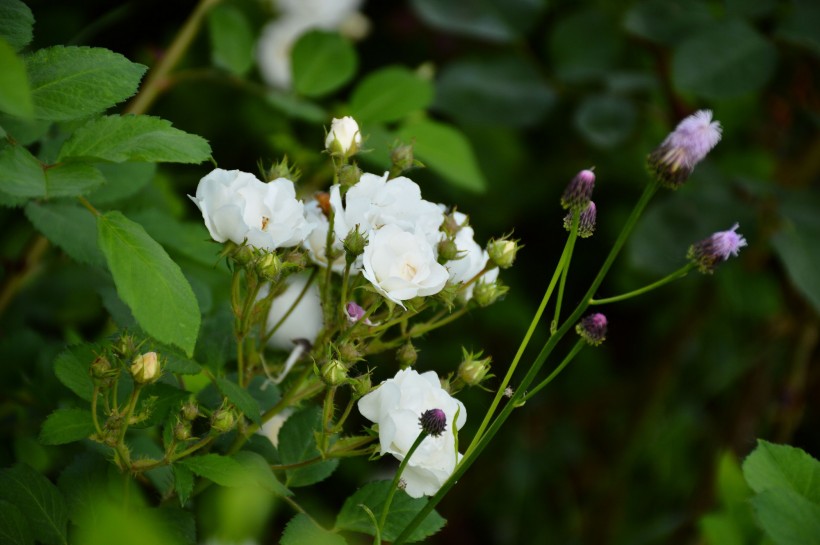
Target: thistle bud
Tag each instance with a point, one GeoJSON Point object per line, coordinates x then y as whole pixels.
{"type": "Point", "coordinates": [502, 252]}
{"type": "Point", "coordinates": [586, 221]}
{"type": "Point", "coordinates": [592, 328]}
{"type": "Point", "coordinates": [407, 355]}
{"type": "Point", "coordinates": [334, 372]}
{"type": "Point", "coordinates": [487, 293]}
{"type": "Point", "coordinates": [473, 369]}
{"type": "Point", "coordinates": [578, 192]}
{"type": "Point", "coordinates": [343, 139]}
{"type": "Point", "coordinates": [433, 422]}
{"type": "Point", "coordinates": [710, 251]}
{"type": "Point", "coordinates": [223, 420]}
{"type": "Point", "coordinates": [674, 160]}
{"type": "Point", "coordinates": [145, 368]}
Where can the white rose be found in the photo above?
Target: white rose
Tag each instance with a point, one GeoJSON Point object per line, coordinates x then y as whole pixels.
{"type": "Point", "coordinates": [343, 137]}
{"type": "Point", "coordinates": [304, 322]}
{"type": "Point", "coordinates": [237, 206]}
{"type": "Point", "coordinates": [396, 406]}
{"type": "Point", "coordinates": [376, 201]}
{"type": "Point", "coordinates": [322, 13]}
{"type": "Point", "coordinates": [272, 427]}
{"type": "Point", "coordinates": [402, 265]}
{"type": "Point", "coordinates": [273, 50]}
{"type": "Point", "coordinates": [317, 239]}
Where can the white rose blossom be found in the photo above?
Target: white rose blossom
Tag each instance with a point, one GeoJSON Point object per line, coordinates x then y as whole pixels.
{"type": "Point", "coordinates": [237, 206]}
{"type": "Point", "coordinates": [376, 201]}
{"type": "Point", "coordinates": [402, 265]}
{"type": "Point", "coordinates": [306, 320]}
{"type": "Point", "coordinates": [317, 239]}
{"type": "Point", "coordinates": [396, 406]}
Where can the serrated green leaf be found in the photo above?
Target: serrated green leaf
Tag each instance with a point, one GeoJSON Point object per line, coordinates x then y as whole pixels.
{"type": "Point", "coordinates": [38, 500]}
{"type": "Point", "coordinates": [301, 530]}
{"type": "Point", "coordinates": [66, 426]}
{"type": "Point", "coordinates": [72, 369]}
{"type": "Point", "coordinates": [178, 524]}
{"type": "Point", "coordinates": [241, 398]}
{"type": "Point", "coordinates": [500, 90]}
{"type": "Point", "coordinates": [16, 23]}
{"type": "Point", "coordinates": [402, 510]}
{"type": "Point", "coordinates": [446, 150]}
{"type": "Point", "coordinates": [24, 131]}
{"type": "Point", "coordinates": [83, 482]}
{"type": "Point", "coordinates": [602, 45]}
{"type": "Point", "coordinates": [720, 529]}
{"type": "Point", "coordinates": [606, 120]}
{"type": "Point", "coordinates": [772, 466]}
{"type": "Point", "coordinates": [667, 21]}
{"type": "Point", "coordinates": [149, 282]}
{"type": "Point", "coordinates": [70, 82]}
{"type": "Point", "coordinates": [261, 472]}
{"type": "Point", "coordinates": [135, 138]}
{"type": "Point", "coordinates": [725, 61]}
{"type": "Point", "coordinates": [493, 20]}
{"type": "Point", "coordinates": [190, 239]}
{"type": "Point", "coordinates": [122, 180]}
{"type": "Point", "coordinates": [322, 62]}
{"type": "Point", "coordinates": [389, 94]}
{"type": "Point", "coordinates": [183, 482]}
{"type": "Point", "coordinates": [223, 470]}
{"type": "Point", "coordinates": [297, 443]}
{"type": "Point", "coordinates": [25, 176]}
{"type": "Point", "coordinates": [70, 227]}
{"type": "Point", "coordinates": [15, 95]}
{"type": "Point", "coordinates": [175, 363]}
{"type": "Point", "coordinates": [732, 488]}
{"type": "Point", "coordinates": [296, 107]}
{"type": "Point", "coordinates": [787, 517]}
{"type": "Point", "coordinates": [231, 39]}
{"type": "Point", "coordinates": [14, 528]}
{"type": "Point", "coordinates": [131, 525]}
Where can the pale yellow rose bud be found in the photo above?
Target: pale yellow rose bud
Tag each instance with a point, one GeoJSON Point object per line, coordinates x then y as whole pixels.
{"type": "Point", "coordinates": [145, 368]}
{"type": "Point", "coordinates": [343, 138]}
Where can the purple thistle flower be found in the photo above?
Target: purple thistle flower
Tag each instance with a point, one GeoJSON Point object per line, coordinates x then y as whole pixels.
{"type": "Point", "coordinates": [355, 313]}
{"type": "Point", "coordinates": [592, 328]}
{"type": "Point", "coordinates": [578, 191]}
{"type": "Point", "coordinates": [586, 221]}
{"type": "Point", "coordinates": [710, 251]}
{"type": "Point", "coordinates": [433, 422]}
{"type": "Point", "coordinates": [674, 160]}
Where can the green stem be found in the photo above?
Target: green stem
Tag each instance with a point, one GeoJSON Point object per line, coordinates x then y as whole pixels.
{"type": "Point", "coordinates": [524, 343]}
{"type": "Point", "coordinates": [477, 447]}
{"type": "Point", "coordinates": [573, 235]}
{"type": "Point", "coordinates": [295, 304]}
{"type": "Point", "coordinates": [94, 395]}
{"type": "Point", "coordinates": [680, 273]}
{"type": "Point", "coordinates": [121, 449]}
{"type": "Point", "coordinates": [395, 484]}
{"type": "Point", "coordinates": [575, 349]}
{"type": "Point", "coordinates": [158, 77]}
{"type": "Point", "coordinates": [328, 408]}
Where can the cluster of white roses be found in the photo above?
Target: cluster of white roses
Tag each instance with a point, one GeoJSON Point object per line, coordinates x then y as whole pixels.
{"type": "Point", "coordinates": [402, 230]}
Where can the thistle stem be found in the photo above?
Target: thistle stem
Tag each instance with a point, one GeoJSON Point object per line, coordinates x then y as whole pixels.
{"type": "Point", "coordinates": [680, 273]}
{"type": "Point", "coordinates": [395, 484]}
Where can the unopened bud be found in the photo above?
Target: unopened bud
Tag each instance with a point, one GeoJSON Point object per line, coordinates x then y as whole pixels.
{"type": "Point", "coordinates": [407, 355]}
{"type": "Point", "coordinates": [503, 251]}
{"type": "Point", "coordinates": [402, 158]}
{"type": "Point", "coordinates": [223, 420]}
{"type": "Point", "coordinates": [145, 368]}
{"type": "Point", "coordinates": [126, 346]}
{"type": "Point", "coordinates": [578, 192]}
{"type": "Point", "coordinates": [190, 411]}
{"type": "Point", "coordinates": [283, 170]}
{"type": "Point", "coordinates": [349, 352]}
{"type": "Point", "coordinates": [487, 293]}
{"type": "Point", "coordinates": [349, 175]}
{"type": "Point", "coordinates": [182, 431]}
{"type": "Point", "coordinates": [100, 367]}
{"type": "Point", "coordinates": [343, 139]}
{"type": "Point", "coordinates": [473, 369]}
{"type": "Point", "coordinates": [447, 250]}
{"type": "Point", "coordinates": [354, 244]}
{"type": "Point", "coordinates": [334, 372]}
{"type": "Point", "coordinates": [362, 385]}
{"type": "Point", "coordinates": [269, 266]}
{"type": "Point", "coordinates": [242, 254]}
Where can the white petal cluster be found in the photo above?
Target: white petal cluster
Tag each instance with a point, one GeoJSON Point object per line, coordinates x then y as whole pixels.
{"type": "Point", "coordinates": [295, 18]}
{"type": "Point", "coordinates": [236, 206]}
{"type": "Point", "coordinates": [396, 406]}
{"type": "Point", "coordinates": [471, 260]}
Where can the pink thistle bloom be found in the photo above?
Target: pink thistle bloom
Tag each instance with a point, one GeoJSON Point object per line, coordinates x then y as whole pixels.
{"type": "Point", "coordinates": [675, 159]}
{"type": "Point", "coordinates": [710, 251]}
{"type": "Point", "coordinates": [355, 313]}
